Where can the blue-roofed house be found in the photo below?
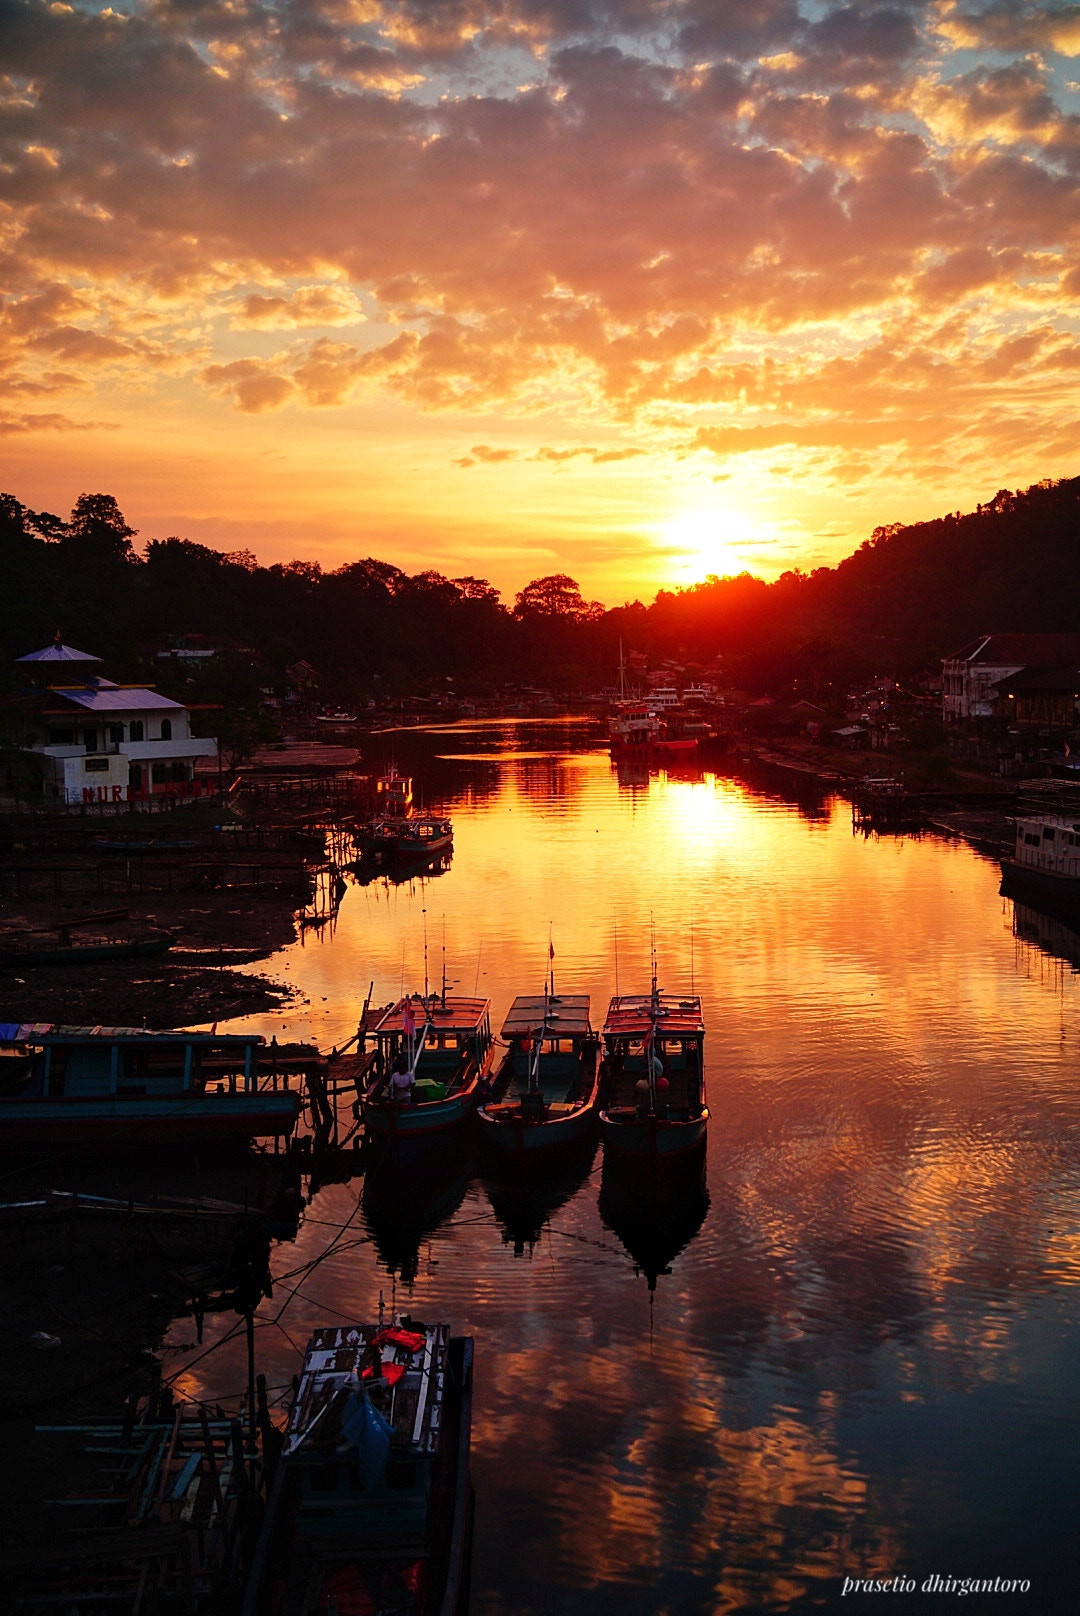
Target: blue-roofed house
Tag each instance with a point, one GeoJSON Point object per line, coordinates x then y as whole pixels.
{"type": "Point", "coordinates": [102, 743]}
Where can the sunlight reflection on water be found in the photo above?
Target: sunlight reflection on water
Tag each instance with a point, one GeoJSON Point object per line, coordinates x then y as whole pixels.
{"type": "Point", "coordinates": [851, 1348]}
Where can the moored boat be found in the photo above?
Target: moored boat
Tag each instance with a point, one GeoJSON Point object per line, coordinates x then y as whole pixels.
{"type": "Point", "coordinates": [553, 1077]}
{"type": "Point", "coordinates": [444, 1047]}
{"type": "Point", "coordinates": [99, 1087]}
{"type": "Point", "coordinates": [37, 949]}
{"type": "Point", "coordinates": [371, 1503]}
{"type": "Point", "coordinates": [654, 1107]}
{"type": "Point", "coordinates": [1045, 865]}
{"type": "Point", "coordinates": [416, 836]}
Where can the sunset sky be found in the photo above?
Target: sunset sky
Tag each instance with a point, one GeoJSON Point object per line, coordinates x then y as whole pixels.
{"type": "Point", "coordinates": [638, 290]}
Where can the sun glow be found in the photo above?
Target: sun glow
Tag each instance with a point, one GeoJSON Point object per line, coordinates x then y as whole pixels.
{"type": "Point", "coordinates": [704, 542]}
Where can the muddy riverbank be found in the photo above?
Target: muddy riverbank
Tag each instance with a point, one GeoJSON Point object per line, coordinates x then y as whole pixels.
{"type": "Point", "coordinates": [194, 983]}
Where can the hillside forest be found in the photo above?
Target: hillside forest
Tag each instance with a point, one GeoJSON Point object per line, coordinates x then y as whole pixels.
{"type": "Point", "coordinates": [907, 597]}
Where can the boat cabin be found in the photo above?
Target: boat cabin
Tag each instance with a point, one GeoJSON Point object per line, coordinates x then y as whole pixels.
{"type": "Point", "coordinates": [559, 1024]}
{"type": "Point", "coordinates": [84, 1062]}
{"type": "Point", "coordinates": [452, 1036]}
{"type": "Point", "coordinates": [364, 1433]}
{"type": "Point", "coordinates": [644, 1028]}
{"type": "Point", "coordinates": [393, 796]}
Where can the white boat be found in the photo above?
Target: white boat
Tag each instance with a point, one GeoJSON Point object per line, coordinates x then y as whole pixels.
{"type": "Point", "coordinates": [1046, 856]}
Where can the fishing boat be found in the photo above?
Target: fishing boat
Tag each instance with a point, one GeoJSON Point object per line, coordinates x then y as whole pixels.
{"type": "Point", "coordinates": [637, 728]}
{"type": "Point", "coordinates": [40, 949]}
{"type": "Point", "coordinates": [654, 1109]}
{"type": "Point", "coordinates": [553, 1077]}
{"type": "Point", "coordinates": [444, 1046]}
{"type": "Point", "coordinates": [99, 1087]}
{"type": "Point", "coordinates": [416, 836]}
{"type": "Point", "coordinates": [371, 1503]}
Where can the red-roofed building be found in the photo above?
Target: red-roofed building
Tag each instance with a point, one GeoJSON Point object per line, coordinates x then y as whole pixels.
{"type": "Point", "coordinates": [971, 674]}
{"type": "Point", "coordinates": [102, 743]}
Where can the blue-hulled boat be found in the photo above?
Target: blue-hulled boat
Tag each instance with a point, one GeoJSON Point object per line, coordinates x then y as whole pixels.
{"type": "Point", "coordinates": [100, 1087]}
{"type": "Point", "coordinates": [446, 1047]}
{"type": "Point", "coordinates": [371, 1504]}
{"type": "Point", "coordinates": [554, 1076]}
{"type": "Point", "coordinates": [653, 1080]}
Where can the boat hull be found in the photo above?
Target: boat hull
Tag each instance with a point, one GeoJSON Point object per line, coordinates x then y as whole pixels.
{"type": "Point", "coordinates": [101, 1121]}
{"type": "Point", "coordinates": [88, 953]}
{"type": "Point", "coordinates": [1059, 893]}
{"type": "Point", "coordinates": [652, 1138]}
{"type": "Point", "coordinates": [385, 1120]}
{"type": "Point", "coordinates": [513, 1135]}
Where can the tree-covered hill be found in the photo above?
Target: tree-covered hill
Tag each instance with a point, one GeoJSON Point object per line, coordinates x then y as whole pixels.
{"type": "Point", "coordinates": [904, 599]}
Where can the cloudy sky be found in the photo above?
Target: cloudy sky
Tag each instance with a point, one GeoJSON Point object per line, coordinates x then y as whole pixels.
{"type": "Point", "coordinates": [633, 289]}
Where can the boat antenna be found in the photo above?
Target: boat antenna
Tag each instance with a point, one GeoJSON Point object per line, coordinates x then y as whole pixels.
{"type": "Point", "coordinates": [616, 953]}
{"type": "Point", "coordinates": [401, 988]}
{"type": "Point", "coordinates": [652, 950]}
{"type": "Point", "coordinates": [691, 953]}
{"type": "Point", "coordinates": [424, 913]}
{"type": "Point", "coordinates": [444, 962]}
{"type": "Point", "coordinates": [476, 984]}
{"type": "Point", "coordinates": [551, 960]}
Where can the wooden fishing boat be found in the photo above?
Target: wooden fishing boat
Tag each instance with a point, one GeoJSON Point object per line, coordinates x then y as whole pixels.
{"type": "Point", "coordinates": [371, 1503]}
{"type": "Point", "coordinates": [446, 1045]}
{"type": "Point", "coordinates": [417, 836]}
{"type": "Point", "coordinates": [37, 949]}
{"type": "Point", "coordinates": [100, 1087]}
{"type": "Point", "coordinates": [654, 1107]}
{"type": "Point", "coordinates": [553, 1077]}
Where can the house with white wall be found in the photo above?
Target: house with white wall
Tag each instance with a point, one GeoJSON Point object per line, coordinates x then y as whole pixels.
{"type": "Point", "coordinates": [102, 743]}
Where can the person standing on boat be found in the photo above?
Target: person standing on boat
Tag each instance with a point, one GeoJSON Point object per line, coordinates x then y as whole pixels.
{"type": "Point", "coordinates": [402, 1080]}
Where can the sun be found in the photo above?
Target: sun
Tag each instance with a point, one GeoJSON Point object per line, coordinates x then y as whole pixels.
{"type": "Point", "coordinates": [706, 541]}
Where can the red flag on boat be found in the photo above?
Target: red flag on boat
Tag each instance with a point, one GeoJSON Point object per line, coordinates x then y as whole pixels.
{"type": "Point", "coordinates": [551, 949]}
{"type": "Point", "coordinates": [408, 1019]}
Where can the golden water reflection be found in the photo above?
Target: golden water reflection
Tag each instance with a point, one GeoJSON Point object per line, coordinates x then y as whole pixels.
{"type": "Point", "coordinates": [732, 1401]}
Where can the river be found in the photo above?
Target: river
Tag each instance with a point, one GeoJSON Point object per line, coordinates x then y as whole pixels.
{"type": "Point", "coordinates": [852, 1350]}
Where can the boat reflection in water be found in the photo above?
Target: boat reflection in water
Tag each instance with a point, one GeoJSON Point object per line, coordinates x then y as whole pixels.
{"type": "Point", "coordinates": [407, 1197]}
{"type": "Point", "coordinates": [524, 1199]}
{"type": "Point", "coordinates": [365, 872]}
{"type": "Point", "coordinates": [657, 1218]}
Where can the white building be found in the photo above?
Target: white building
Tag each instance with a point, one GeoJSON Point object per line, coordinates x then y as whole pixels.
{"type": "Point", "coordinates": [101, 742]}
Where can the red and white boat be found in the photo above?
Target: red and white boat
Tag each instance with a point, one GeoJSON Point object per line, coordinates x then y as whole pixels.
{"type": "Point", "coordinates": [653, 1078]}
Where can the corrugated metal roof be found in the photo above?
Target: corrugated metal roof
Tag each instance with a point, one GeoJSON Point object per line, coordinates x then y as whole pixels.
{"type": "Point", "coordinates": [457, 1015]}
{"type": "Point", "coordinates": [632, 1015]}
{"type": "Point", "coordinates": [119, 701]}
{"type": "Point", "coordinates": [567, 1015]}
{"type": "Point", "coordinates": [58, 653]}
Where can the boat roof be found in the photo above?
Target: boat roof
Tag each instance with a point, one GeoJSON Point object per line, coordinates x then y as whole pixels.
{"type": "Point", "coordinates": [48, 1032]}
{"type": "Point", "coordinates": [333, 1365]}
{"type": "Point", "coordinates": [631, 1015]}
{"type": "Point", "coordinates": [566, 1014]}
{"type": "Point", "coordinates": [450, 1015]}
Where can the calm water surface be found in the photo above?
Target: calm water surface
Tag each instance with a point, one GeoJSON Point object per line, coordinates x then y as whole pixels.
{"type": "Point", "coordinates": [852, 1350]}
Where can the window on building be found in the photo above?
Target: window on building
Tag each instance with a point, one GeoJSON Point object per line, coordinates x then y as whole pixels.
{"type": "Point", "coordinates": [135, 730]}
{"type": "Point", "coordinates": [166, 729]}
{"type": "Point", "coordinates": [116, 733]}
{"type": "Point", "coordinates": [61, 737]}
{"type": "Point", "coordinates": [90, 739]}
{"type": "Point", "coordinates": [158, 774]}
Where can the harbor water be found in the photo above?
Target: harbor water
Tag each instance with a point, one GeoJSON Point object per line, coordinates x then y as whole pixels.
{"type": "Point", "coordinates": [848, 1349]}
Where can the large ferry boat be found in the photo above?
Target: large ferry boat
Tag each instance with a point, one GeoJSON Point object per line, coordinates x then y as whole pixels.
{"type": "Point", "coordinates": [1045, 865]}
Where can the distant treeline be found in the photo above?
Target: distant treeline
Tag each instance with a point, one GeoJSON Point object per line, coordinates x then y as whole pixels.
{"type": "Point", "coordinates": [907, 597]}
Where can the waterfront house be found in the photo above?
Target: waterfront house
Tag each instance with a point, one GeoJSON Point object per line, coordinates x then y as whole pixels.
{"type": "Point", "coordinates": [102, 743]}
{"type": "Point", "coordinates": [972, 674]}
